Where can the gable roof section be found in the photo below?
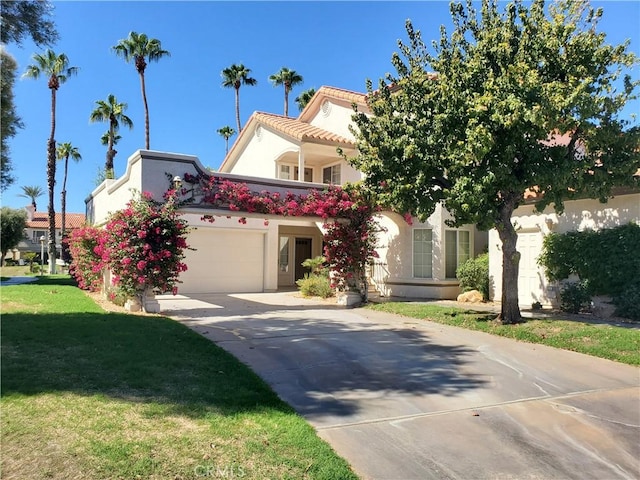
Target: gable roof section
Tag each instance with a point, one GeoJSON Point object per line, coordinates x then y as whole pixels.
{"type": "Point", "coordinates": [325, 92]}
{"type": "Point", "coordinates": [298, 130]}
{"type": "Point", "coordinates": [40, 220]}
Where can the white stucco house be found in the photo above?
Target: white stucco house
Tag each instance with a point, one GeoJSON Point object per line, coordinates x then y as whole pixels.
{"type": "Point", "coordinates": [278, 153]}
{"type": "Point", "coordinates": [532, 227]}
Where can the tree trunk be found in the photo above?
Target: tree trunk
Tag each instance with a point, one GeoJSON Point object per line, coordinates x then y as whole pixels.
{"type": "Point", "coordinates": [286, 101]}
{"type": "Point", "coordinates": [63, 195]}
{"type": "Point", "coordinates": [108, 166]}
{"type": "Point", "coordinates": [51, 181]}
{"type": "Point", "coordinates": [238, 110]}
{"type": "Point", "coordinates": [146, 111]}
{"type": "Point", "coordinates": [510, 311]}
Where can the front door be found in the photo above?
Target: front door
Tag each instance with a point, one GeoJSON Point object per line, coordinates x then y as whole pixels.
{"type": "Point", "coordinates": [302, 253]}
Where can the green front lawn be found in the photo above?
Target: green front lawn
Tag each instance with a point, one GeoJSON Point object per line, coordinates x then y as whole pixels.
{"type": "Point", "coordinates": [606, 341]}
{"type": "Point", "coordinates": [90, 394]}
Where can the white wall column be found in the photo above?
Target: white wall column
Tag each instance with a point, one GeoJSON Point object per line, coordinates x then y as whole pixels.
{"type": "Point", "coordinates": [300, 165]}
{"type": "Point", "coordinates": [270, 268]}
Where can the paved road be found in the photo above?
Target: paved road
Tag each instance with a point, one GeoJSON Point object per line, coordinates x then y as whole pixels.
{"type": "Point", "coordinates": [408, 399]}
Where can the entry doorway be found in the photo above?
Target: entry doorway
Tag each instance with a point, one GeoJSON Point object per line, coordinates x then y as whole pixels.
{"type": "Point", "coordinates": [302, 252]}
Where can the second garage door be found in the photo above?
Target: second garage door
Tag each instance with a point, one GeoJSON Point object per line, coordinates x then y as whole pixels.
{"type": "Point", "coordinates": [224, 262]}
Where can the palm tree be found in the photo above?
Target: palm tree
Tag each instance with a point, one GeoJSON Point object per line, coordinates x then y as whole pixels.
{"type": "Point", "coordinates": [57, 70]}
{"type": "Point", "coordinates": [226, 132]}
{"type": "Point", "coordinates": [233, 77]}
{"type": "Point", "coordinates": [64, 151]}
{"type": "Point", "coordinates": [304, 98]}
{"type": "Point", "coordinates": [113, 112]}
{"type": "Point", "coordinates": [32, 192]}
{"type": "Point", "coordinates": [104, 139]}
{"type": "Point", "coordinates": [288, 78]}
{"type": "Point", "coordinates": [139, 48]}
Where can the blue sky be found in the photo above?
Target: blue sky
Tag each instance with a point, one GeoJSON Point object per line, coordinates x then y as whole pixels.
{"type": "Point", "coordinates": [329, 43]}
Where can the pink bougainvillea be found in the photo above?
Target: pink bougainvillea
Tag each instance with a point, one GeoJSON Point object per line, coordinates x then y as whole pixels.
{"type": "Point", "coordinates": [142, 245]}
{"type": "Point", "coordinates": [86, 264]}
{"type": "Point", "coordinates": [346, 211]}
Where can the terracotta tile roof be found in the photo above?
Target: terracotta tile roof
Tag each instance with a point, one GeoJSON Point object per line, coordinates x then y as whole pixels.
{"type": "Point", "coordinates": [339, 93]}
{"type": "Point", "coordinates": [301, 131]}
{"type": "Point", "coordinates": [40, 220]}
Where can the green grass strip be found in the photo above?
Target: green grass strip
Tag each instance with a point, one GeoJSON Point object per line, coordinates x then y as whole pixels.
{"type": "Point", "coordinates": [621, 344]}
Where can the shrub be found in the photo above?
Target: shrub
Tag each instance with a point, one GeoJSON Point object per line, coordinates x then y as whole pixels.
{"type": "Point", "coordinates": [317, 265]}
{"type": "Point", "coordinates": [144, 246]}
{"type": "Point", "coordinates": [86, 264]}
{"type": "Point", "coordinates": [575, 297]}
{"type": "Point", "coordinates": [607, 260]}
{"type": "Point", "coordinates": [474, 275]}
{"type": "Point", "coordinates": [315, 286]}
{"type": "Point", "coordinates": [627, 302]}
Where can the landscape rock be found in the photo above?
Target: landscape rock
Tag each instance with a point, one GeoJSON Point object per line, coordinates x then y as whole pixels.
{"type": "Point", "coordinates": [472, 296]}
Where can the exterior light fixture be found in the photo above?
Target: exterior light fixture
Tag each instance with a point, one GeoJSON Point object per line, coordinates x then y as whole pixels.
{"type": "Point", "coordinates": [177, 182]}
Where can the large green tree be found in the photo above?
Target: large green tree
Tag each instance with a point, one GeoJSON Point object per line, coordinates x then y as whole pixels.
{"type": "Point", "coordinates": [234, 77]}
{"type": "Point", "coordinates": [288, 79]}
{"type": "Point", "coordinates": [10, 121]}
{"type": "Point", "coordinates": [140, 49]}
{"type": "Point", "coordinates": [113, 112]}
{"type": "Point", "coordinates": [524, 98]}
{"type": "Point", "coordinates": [65, 151]}
{"type": "Point", "coordinates": [55, 67]}
{"type": "Point", "coordinates": [32, 192]}
{"type": "Point", "coordinates": [12, 225]}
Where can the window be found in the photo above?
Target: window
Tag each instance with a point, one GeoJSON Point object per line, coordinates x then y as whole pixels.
{"type": "Point", "coordinates": [285, 172]}
{"type": "Point", "coordinates": [457, 250]}
{"type": "Point", "coordinates": [283, 257]}
{"type": "Point", "coordinates": [422, 253]}
{"type": "Point", "coordinates": [331, 175]}
{"type": "Point", "coordinates": [37, 234]}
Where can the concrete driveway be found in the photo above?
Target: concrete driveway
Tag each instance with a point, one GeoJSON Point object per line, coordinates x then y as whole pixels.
{"type": "Point", "coordinates": [409, 399]}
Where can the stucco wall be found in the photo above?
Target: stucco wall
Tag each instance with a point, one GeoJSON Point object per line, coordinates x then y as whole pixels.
{"type": "Point", "coordinates": [393, 269]}
{"type": "Point", "coordinates": [334, 116]}
{"type": "Point", "coordinates": [579, 215]}
{"type": "Point", "coordinates": [258, 156]}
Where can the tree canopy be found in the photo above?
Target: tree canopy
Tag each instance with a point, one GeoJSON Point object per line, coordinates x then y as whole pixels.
{"type": "Point", "coordinates": [527, 98]}
{"type": "Point", "coordinates": [10, 121]}
{"type": "Point", "coordinates": [12, 224]}
{"type": "Point", "coordinates": [27, 17]}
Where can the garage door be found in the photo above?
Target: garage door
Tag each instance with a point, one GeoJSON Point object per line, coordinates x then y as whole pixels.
{"type": "Point", "coordinates": [531, 279]}
{"type": "Point", "coordinates": [223, 262]}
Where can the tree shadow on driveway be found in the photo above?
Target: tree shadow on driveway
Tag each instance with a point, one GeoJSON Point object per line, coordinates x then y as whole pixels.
{"type": "Point", "coordinates": [331, 364]}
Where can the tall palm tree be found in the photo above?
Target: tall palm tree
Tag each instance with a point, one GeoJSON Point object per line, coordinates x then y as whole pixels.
{"type": "Point", "coordinates": [234, 77]}
{"type": "Point", "coordinates": [64, 151]}
{"type": "Point", "coordinates": [139, 48]}
{"type": "Point", "coordinates": [113, 112]}
{"type": "Point", "coordinates": [226, 132]}
{"type": "Point", "coordinates": [32, 192]}
{"type": "Point", "coordinates": [106, 136]}
{"type": "Point", "coordinates": [57, 70]}
{"type": "Point", "coordinates": [288, 78]}
{"type": "Point", "coordinates": [304, 98]}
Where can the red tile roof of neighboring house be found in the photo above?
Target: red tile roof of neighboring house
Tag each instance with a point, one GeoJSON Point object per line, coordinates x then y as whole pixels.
{"type": "Point", "coordinates": [40, 220]}
{"type": "Point", "coordinates": [299, 130]}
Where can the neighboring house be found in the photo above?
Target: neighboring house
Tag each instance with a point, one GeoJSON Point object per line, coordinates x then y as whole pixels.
{"type": "Point", "coordinates": [283, 154]}
{"type": "Point", "coordinates": [584, 214]}
{"type": "Point", "coordinates": [37, 226]}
